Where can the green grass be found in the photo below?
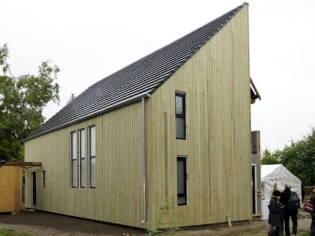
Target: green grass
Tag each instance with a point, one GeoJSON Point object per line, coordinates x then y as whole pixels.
{"type": "Point", "coordinates": [7, 232]}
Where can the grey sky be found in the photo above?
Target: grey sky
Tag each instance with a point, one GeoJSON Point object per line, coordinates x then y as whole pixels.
{"type": "Point", "coordinates": [89, 40]}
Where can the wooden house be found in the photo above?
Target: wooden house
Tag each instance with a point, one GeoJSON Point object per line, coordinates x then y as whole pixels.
{"type": "Point", "coordinates": [171, 130]}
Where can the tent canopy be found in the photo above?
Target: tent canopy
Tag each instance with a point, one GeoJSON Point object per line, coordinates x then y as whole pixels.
{"type": "Point", "coordinates": [271, 174]}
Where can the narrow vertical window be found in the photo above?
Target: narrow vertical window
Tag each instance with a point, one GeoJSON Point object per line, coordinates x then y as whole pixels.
{"type": "Point", "coordinates": [82, 159]}
{"type": "Point", "coordinates": [43, 179]}
{"type": "Point", "coordinates": [180, 112]}
{"type": "Point", "coordinates": [92, 157]}
{"type": "Point", "coordinates": [181, 181]}
{"type": "Point", "coordinates": [73, 151]}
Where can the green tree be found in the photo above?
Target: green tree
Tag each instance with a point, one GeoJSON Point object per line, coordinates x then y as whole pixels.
{"type": "Point", "coordinates": [299, 158]}
{"type": "Point", "coordinates": [22, 100]}
{"type": "Point", "coordinates": [269, 158]}
{"type": "Point", "coordinates": [72, 97]}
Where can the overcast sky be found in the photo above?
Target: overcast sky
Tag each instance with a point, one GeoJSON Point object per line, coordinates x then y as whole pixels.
{"type": "Point", "coordinates": [90, 40]}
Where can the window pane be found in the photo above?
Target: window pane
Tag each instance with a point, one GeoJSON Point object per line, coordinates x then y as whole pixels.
{"type": "Point", "coordinates": [83, 173]}
{"type": "Point", "coordinates": [181, 181]}
{"type": "Point", "coordinates": [179, 105]}
{"type": "Point", "coordinates": [74, 174]}
{"type": "Point", "coordinates": [92, 141]}
{"type": "Point", "coordinates": [180, 127]}
{"type": "Point", "coordinates": [44, 178]}
{"type": "Point", "coordinates": [92, 173]}
{"type": "Point", "coordinates": [82, 143]}
{"type": "Point", "coordinates": [74, 145]}
{"type": "Point", "coordinates": [180, 177]}
{"type": "Point", "coordinates": [181, 200]}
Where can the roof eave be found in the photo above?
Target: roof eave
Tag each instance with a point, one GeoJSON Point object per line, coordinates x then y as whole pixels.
{"type": "Point", "coordinates": [123, 103]}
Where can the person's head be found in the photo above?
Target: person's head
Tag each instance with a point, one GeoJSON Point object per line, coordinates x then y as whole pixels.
{"type": "Point", "coordinates": [275, 185]}
{"type": "Point", "coordinates": [287, 186]}
{"type": "Point", "coordinates": [276, 194]}
{"type": "Point", "coordinates": [313, 189]}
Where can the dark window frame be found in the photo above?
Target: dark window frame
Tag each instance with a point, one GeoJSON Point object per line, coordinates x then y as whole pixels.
{"type": "Point", "coordinates": [181, 116]}
{"type": "Point", "coordinates": [184, 159]}
{"type": "Point", "coordinates": [43, 179]}
{"type": "Point", "coordinates": [72, 181]}
{"type": "Point", "coordinates": [81, 158]}
{"type": "Point", "coordinates": [91, 157]}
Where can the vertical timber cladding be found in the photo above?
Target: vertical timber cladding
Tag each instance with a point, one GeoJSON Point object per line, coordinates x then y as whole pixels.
{"type": "Point", "coordinates": [117, 197]}
{"type": "Point", "coordinates": [216, 81]}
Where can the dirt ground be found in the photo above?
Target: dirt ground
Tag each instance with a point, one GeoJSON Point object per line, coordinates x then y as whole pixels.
{"type": "Point", "coordinates": [42, 223]}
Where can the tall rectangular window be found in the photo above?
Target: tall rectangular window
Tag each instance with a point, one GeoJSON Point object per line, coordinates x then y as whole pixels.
{"type": "Point", "coordinates": [180, 112]}
{"type": "Point", "coordinates": [181, 181]}
{"type": "Point", "coordinates": [82, 159]}
{"type": "Point", "coordinates": [43, 179]}
{"type": "Point", "coordinates": [73, 154]}
{"type": "Point", "coordinates": [92, 157]}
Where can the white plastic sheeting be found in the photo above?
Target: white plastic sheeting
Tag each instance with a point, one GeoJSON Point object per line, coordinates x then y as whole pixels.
{"type": "Point", "coordinates": [271, 174]}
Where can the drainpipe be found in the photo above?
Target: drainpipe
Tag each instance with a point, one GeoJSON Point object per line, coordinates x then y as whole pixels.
{"type": "Point", "coordinates": [144, 210]}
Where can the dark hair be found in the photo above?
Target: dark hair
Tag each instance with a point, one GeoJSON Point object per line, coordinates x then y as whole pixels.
{"type": "Point", "coordinates": [276, 193]}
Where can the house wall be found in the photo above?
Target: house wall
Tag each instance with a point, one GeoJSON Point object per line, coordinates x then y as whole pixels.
{"type": "Point", "coordinates": [10, 189]}
{"type": "Point", "coordinates": [218, 147]}
{"type": "Point", "coordinates": [117, 197]}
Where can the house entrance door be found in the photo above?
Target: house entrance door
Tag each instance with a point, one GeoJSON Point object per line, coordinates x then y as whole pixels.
{"type": "Point", "coordinates": [34, 188]}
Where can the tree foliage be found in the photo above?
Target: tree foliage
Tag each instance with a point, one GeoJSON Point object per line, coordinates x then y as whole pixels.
{"type": "Point", "coordinates": [268, 158]}
{"type": "Point", "coordinates": [299, 157]}
{"type": "Point", "coordinates": [71, 99]}
{"type": "Point", "coordinates": [22, 100]}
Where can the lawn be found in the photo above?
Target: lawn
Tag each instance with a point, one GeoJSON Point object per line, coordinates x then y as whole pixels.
{"type": "Point", "coordinates": [6, 232]}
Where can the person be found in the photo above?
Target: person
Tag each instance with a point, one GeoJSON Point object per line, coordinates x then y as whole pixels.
{"type": "Point", "coordinates": [274, 219]}
{"type": "Point", "coordinates": [303, 193]}
{"type": "Point", "coordinates": [284, 199]}
{"type": "Point", "coordinates": [312, 200]}
{"type": "Point", "coordinates": [273, 188]}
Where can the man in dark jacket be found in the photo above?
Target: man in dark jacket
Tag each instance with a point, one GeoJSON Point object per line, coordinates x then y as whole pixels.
{"type": "Point", "coordinates": [313, 214]}
{"type": "Point", "coordinates": [285, 196]}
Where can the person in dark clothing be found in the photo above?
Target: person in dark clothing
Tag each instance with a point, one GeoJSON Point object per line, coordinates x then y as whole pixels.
{"type": "Point", "coordinates": [285, 196]}
{"type": "Point", "coordinates": [303, 193]}
{"type": "Point", "coordinates": [274, 219]}
{"type": "Point", "coordinates": [313, 214]}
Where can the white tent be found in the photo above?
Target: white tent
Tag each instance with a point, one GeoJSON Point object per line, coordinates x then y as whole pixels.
{"type": "Point", "coordinates": [271, 174]}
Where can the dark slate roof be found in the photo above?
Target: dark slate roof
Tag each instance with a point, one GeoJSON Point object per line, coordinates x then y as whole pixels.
{"type": "Point", "coordinates": [140, 78]}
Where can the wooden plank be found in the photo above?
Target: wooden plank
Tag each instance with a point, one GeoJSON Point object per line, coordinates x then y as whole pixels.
{"type": "Point", "coordinates": [10, 189]}
{"type": "Point", "coordinates": [229, 220]}
{"type": "Point", "coordinates": [20, 163]}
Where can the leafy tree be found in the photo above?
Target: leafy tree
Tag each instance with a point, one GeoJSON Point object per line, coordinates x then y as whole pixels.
{"type": "Point", "coordinates": [72, 97]}
{"type": "Point", "coordinates": [299, 158]}
{"type": "Point", "coordinates": [269, 158]}
{"type": "Point", "coordinates": [22, 100]}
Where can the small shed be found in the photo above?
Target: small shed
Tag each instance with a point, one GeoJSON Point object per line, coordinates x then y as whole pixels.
{"type": "Point", "coordinates": [11, 185]}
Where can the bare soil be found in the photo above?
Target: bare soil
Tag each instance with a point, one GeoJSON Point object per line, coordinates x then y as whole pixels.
{"type": "Point", "coordinates": [42, 223]}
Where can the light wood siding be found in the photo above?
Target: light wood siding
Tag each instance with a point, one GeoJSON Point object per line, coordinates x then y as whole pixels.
{"type": "Point", "coordinates": [10, 189]}
{"type": "Point", "coordinates": [216, 81]}
{"type": "Point", "coordinates": [118, 194]}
